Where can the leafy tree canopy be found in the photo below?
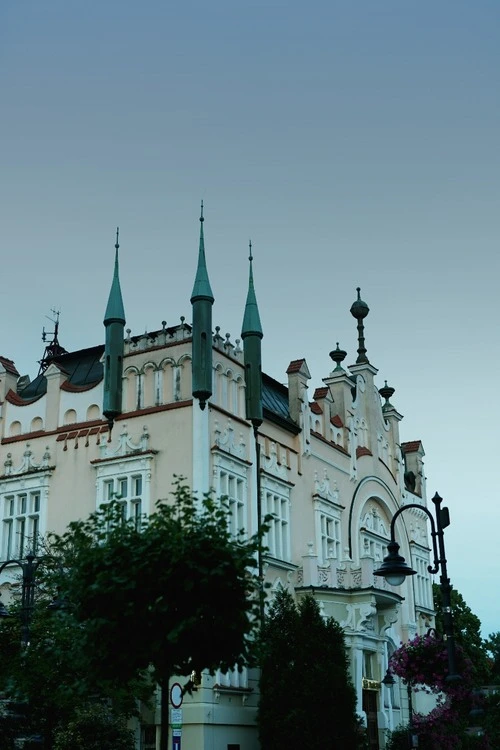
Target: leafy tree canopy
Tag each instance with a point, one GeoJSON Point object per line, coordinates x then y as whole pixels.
{"type": "Point", "coordinates": [173, 596]}
{"type": "Point", "coordinates": [140, 604]}
{"type": "Point", "coordinates": [94, 727]}
{"type": "Point", "coordinates": [493, 648]}
{"type": "Point", "coordinates": [467, 631]}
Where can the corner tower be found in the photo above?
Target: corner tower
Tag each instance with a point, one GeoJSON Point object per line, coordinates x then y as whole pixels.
{"type": "Point", "coordinates": [202, 300]}
{"type": "Point", "coordinates": [114, 323]}
{"type": "Point", "coordinates": [251, 333]}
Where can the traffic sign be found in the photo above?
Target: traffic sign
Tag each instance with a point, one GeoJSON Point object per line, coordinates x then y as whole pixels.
{"type": "Point", "coordinates": [176, 695]}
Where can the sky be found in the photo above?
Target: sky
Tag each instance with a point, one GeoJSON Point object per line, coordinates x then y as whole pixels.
{"type": "Point", "coordinates": [356, 143]}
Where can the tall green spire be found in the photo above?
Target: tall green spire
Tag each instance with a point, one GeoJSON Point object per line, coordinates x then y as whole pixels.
{"type": "Point", "coordinates": [251, 333]}
{"type": "Point", "coordinates": [114, 309]}
{"type": "Point", "coordinates": [251, 318]}
{"type": "Point", "coordinates": [114, 322]}
{"type": "Point", "coordinates": [202, 288]}
{"type": "Point", "coordinates": [202, 300]}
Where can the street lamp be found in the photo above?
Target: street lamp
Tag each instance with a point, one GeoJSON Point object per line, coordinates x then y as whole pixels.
{"type": "Point", "coordinates": [389, 681]}
{"type": "Point", "coordinates": [29, 566]}
{"type": "Point", "coordinates": [395, 569]}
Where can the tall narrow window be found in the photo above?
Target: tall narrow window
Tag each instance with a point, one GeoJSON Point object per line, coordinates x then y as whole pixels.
{"type": "Point", "coordinates": [128, 491]}
{"type": "Point", "coordinates": [233, 489]}
{"type": "Point", "coordinates": [329, 537]}
{"type": "Point", "coordinates": [275, 503]}
{"type": "Point", "coordinates": [21, 524]}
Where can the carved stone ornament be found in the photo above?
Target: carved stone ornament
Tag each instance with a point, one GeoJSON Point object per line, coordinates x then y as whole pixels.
{"type": "Point", "coordinates": [276, 464]}
{"type": "Point", "coordinates": [323, 576]}
{"type": "Point", "coordinates": [225, 439]}
{"type": "Point", "coordinates": [373, 521]}
{"type": "Point", "coordinates": [391, 616]}
{"type": "Point", "coordinates": [27, 463]}
{"type": "Point", "coordinates": [124, 445]}
{"type": "Point", "coordinates": [360, 617]}
{"type": "Point", "coordinates": [324, 489]}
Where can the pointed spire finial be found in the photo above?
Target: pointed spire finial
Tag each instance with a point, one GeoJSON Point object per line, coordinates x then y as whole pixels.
{"type": "Point", "coordinates": [114, 322]}
{"type": "Point", "coordinates": [114, 309]}
{"type": "Point", "coordinates": [202, 300]}
{"type": "Point", "coordinates": [251, 333]}
{"type": "Point", "coordinates": [360, 310]}
{"type": "Point", "coordinates": [202, 288]}
{"type": "Point", "coordinates": [251, 319]}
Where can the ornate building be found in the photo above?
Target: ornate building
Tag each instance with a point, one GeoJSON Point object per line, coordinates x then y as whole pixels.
{"type": "Point", "coordinates": [186, 400]}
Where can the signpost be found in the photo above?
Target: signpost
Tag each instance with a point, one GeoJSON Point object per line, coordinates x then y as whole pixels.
{"type": "Point", "coordinates": [176, 715]}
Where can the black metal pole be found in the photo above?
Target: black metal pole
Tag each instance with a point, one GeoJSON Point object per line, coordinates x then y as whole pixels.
{"type": "Point", "coordinates": [260, 564]}
{"type": "Point", "coordinates": [410, 717]}
{"type": "Point", "coordinates": [164, 706]}
{"type": "Point", "coordinates": [27, 597]}
{"type": "Point", "coordinates": [442, 521]}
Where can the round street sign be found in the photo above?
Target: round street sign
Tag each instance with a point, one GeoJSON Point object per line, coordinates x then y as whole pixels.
{"type": "Point", "coordinates": [176, 695]}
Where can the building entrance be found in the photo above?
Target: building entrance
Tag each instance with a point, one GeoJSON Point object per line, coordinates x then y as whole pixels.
{"type": "Point", "coordinates": [370, 709]}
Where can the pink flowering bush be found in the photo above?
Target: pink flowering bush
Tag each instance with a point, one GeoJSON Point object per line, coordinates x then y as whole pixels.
{"type": "Point", "coordinates": [423, 663]}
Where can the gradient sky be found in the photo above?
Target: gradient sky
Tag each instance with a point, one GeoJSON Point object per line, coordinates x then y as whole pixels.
{"type": "Point", "coordinates": [355, 142]}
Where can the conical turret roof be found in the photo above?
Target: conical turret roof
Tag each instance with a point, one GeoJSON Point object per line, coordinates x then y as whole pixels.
{"type": "Point", "coordinates": [202, 288]}
{"type": "Point", "coordinates": [251, 318]}
{"type": "Point", "coordinates": [115, 310]}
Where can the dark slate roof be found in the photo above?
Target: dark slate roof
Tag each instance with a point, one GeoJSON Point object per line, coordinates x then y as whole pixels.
{"type": "Point", "coordinates": [83, 367]}
{"type": "Point", "coordinates": [275, 403]}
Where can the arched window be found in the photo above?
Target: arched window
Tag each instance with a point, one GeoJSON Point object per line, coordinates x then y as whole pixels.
{"type": "Point", "coordinates": [15, 428]}
{"type": "Point", "coordinates": [36, 424]}
{"type": "Point", "coordinates": [70, 416]}
{"type": "Point", "coordinates": [93, 413]}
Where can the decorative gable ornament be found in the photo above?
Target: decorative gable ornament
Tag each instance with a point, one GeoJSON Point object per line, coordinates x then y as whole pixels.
{"type": "Point", "coordinates": [124, 445]}
{"type": "Point", "coordinates": [27, 463]}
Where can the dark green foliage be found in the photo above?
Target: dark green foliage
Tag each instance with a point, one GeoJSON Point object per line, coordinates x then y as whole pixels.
{"type": "Point", "coordinates": [492, 646]}
{"type": "Point", "coordinates": [174, 596]}
{"type": "Point", "coordinates": [139, 605]}
{"type": "Point", "coordinates": [94, 727]}
{"type": "Point", "coordinates": [307, 699]}
{"type": "Point", "coordinates": [397, 739]}
{"type": "Point", "coordinates": [467, 631]}
{"type": "Point", "coordinates": [490, 719]}
{"type": "Point", "coordinates": [53, 675]}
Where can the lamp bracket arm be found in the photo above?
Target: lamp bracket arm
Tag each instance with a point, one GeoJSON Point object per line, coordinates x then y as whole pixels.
{"type": "Point", "coordinates": [430, 568]}
{"type": "Point", "coordinates": [10, 562]}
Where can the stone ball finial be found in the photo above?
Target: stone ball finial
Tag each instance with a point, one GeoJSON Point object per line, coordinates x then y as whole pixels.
{"type": "Point", "coordinates": [359, 309]}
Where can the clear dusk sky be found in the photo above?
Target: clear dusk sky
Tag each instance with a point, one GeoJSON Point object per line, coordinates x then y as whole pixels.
{"type": "Point", "coordinates": [355, 142]}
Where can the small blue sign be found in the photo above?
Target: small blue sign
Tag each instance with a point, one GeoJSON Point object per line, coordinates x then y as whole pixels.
{"type": "Point", "coordinates": [176, 743]}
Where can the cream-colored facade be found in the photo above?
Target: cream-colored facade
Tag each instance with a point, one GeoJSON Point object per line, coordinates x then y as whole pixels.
{"type": "Point", "coordinates": [333, 472]}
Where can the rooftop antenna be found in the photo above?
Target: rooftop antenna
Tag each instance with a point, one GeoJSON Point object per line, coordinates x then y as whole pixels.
{"type": "Point", "coordinates": [53, 348]}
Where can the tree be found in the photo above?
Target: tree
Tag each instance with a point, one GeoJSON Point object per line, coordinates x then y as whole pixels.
{"type": "Point", "coordinates": [467, 631]}
{"type": "Point", "coordinates": [47, 680]}
{"type": "Point", "coordinates": [172, 597]}
{"type": "Point", "coordinates": [306, 697]}
{"type": "Point", "coordinates": [492, 646]}
{"type": "Point", "coordinates": [94, 727]}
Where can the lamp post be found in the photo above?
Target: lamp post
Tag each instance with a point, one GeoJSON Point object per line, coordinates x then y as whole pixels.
{"type": "Point", "coordinates": [389, 681]}
{"type": "Point", "coordinates": [28, 566]}
{"type": "Point", "coordinates": [395, 569]}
